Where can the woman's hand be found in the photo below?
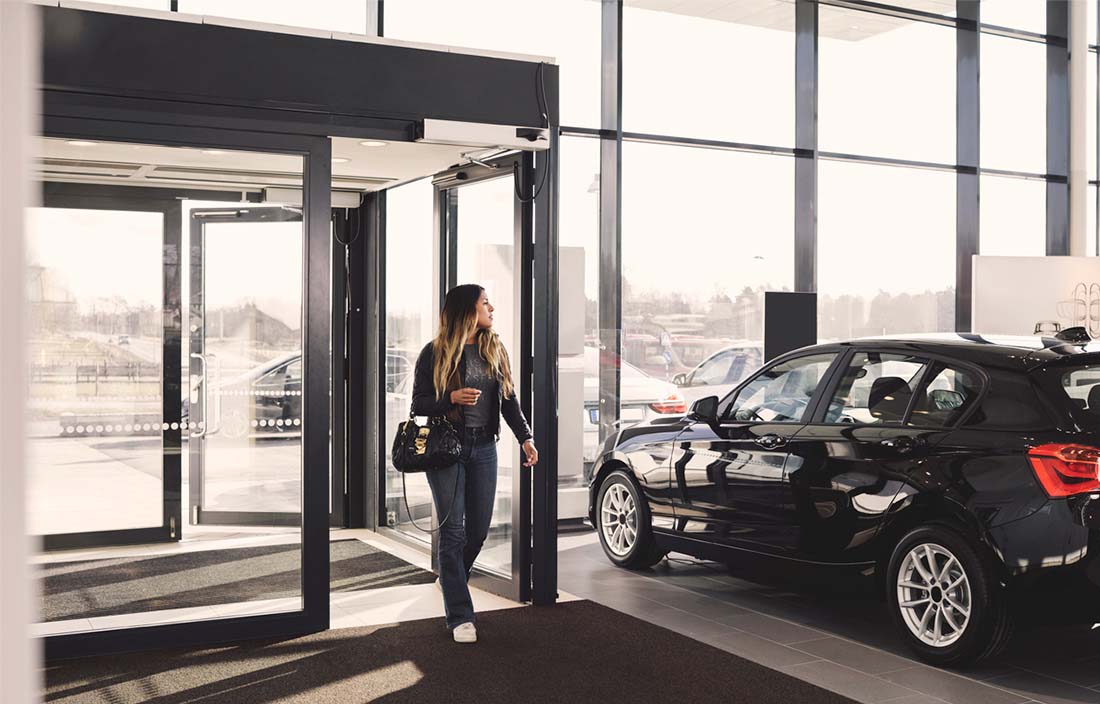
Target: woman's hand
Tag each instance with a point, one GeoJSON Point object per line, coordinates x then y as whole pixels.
{"type": "Point", "coordinates": [465, 397]}
{"type": "Point", "coordinates": [531, 452]}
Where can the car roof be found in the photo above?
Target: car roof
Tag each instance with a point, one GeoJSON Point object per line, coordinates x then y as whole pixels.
{"type": "Point", "coordinates": [1007, 351]}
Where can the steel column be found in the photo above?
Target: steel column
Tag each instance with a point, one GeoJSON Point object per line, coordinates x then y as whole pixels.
{"type": "Point", "coordinates": [1057, 128]}
{"type": "Point", "coordinates": [968, 156]}
{"type": "Point", "coordinates": [545, 405]}
{"type": "Point", "coordinates": [805, 165]}
{"type": "Point", "coordinates": [610, 217]}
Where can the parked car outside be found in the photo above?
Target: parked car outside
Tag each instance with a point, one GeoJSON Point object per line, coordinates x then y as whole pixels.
{"type": "Point", "coordinates": [267, 399]}
{"type": "Point", "coordinates": [719, 373]}
{"type": "Point", "coordinates": [961, 472]}
{"type": "Point", "coordinates": [642, 398]}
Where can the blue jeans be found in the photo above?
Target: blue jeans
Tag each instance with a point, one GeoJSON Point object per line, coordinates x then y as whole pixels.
{"type": "Point", "coordinates": [468, 515]}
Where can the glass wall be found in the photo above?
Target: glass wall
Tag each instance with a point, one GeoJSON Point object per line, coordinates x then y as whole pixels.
{"type": "Point", "coordinates": [700, 246]}
{"type": "Point", "coordinates": [578, 320]}
{"type": "Point", "coordinates": [1013, 216]}
{"type": "Point", "coordinates": [330, 15]}
{"type": "Point", "coordinates": [886, 250]}
{"type": "Point", "coordinates": [1027, 15]}
{"type": "Point", "coordinates": [874, 98]}
{"type": "Point", "coordinates": [728, 75]}
{"type": "Point", "coordinates": [1013, 104]}
{"type": "Point", "coordinates": [411, 295]}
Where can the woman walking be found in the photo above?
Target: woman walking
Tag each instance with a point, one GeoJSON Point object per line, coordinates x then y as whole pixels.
{"type": "Point", "coordinates": [464, 374]}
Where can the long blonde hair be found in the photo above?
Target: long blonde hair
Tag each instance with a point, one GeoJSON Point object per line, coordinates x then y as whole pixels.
{"type": "Point", "coordinates": [457, 323]}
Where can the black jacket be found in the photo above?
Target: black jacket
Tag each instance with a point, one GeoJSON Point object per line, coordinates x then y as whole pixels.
{"type": "Point", "coordinates": [424, 402]}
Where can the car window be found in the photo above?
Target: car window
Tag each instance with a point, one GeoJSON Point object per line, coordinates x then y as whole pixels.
{"type": "Point", "coordinates": [781, 393]}
{"type": "Point", "coordinates": [273, 379]}
{"type": "Point", "coordinates": [948, 395]}
{"type": "Point", "coordinates": [744, 363]}
{"type": "Point", "coordinates": [713, 371]}
{"type": "Point", "coordinates": [294, 372]}
{"type": "Point", "coordinates": [875, 389]}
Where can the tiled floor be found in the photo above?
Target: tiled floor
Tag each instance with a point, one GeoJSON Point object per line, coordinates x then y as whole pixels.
{"type": "Point", "coordinates": [842, 643]}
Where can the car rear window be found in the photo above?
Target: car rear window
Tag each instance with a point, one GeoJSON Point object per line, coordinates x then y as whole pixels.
{"type": "Point", "coordinates": [1074, 389]}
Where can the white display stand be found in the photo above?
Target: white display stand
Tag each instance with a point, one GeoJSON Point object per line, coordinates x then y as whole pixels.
{"type": "Point", "coordinates": [1035, 295]}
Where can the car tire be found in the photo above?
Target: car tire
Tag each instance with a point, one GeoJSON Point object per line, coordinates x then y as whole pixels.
{"type": "Point", "coordinates": [945, 598]}
{"type": "Point", "coordinates": [627, 541]}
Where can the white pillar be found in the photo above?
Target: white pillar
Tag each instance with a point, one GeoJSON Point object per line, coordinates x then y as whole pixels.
{"type": "Point", "coordinates": [20, 657]}
{"type": "Point", "coordinates": [1078, 126]}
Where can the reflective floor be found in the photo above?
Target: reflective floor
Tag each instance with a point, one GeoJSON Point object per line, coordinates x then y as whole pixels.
{"type": "Point", "coordinates": [844, 644]}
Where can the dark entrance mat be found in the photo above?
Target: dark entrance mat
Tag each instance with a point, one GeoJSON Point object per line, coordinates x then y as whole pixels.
{"type": "Point", "coordinates": [128, 585]}
{"type": "Point", "coordinates": [573, 653]}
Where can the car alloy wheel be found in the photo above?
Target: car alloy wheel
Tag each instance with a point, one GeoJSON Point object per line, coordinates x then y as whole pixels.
{"type": "Point", "coordinates": [933, 595]}
{"type": "Point", "coordinates": [619, 520]}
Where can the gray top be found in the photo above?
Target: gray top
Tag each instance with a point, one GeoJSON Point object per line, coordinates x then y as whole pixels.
{"type": "Point", "coordinates": [480, 377]}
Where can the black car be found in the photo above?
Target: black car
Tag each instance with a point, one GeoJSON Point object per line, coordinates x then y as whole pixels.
{"type": "Point", "coordinates": [960, 471]}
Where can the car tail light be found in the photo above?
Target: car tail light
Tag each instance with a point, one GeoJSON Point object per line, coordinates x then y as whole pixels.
{"type": "Point", "coordinates": [1065, 470]}
{"type": "Point", "coordinates": [675, 403]}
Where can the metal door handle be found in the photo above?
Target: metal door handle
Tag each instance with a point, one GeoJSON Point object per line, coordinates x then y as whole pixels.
{"type": "Point", "coordinates": [899, 444]}
{"type": "Point", "coordinates": [770, 441]}
{"type": "Point", "coordinates": [200, 432]}
{"type": "Point", "coordinates": [217, 398]}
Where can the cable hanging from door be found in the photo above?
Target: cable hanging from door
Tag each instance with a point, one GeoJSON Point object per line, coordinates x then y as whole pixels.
{"type": "Point", "coordinates": [353, 230]}
{"type": "Point", "coordinates": [540, 95]}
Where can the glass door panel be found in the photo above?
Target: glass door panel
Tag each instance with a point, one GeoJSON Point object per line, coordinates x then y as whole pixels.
{"type": "Point", "coordinates": [245, 391]}
{"type": "Point", "coordinates": [97, 437]}
{"type": "Point", "coordinates": [487, 255]}
{"type": "Point", "coordinates": [411, 292]}
{"type": "Point", "coordinates": [482, 226]}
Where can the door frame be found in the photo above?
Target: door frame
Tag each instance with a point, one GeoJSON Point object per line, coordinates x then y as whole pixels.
{"type": "Point", "coordinates": [316, 153]}
{"type": "Point", "coordinates": [447, 184]}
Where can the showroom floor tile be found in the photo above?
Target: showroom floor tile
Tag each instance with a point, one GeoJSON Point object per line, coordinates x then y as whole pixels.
{"type": "Point", "coordinates": [841, 642]}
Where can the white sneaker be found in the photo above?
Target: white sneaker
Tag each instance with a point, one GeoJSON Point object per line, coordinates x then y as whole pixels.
{"type": "Point", "coordinates": [465, 633]}
{"type": "Point", "coordinates": [438, 585]}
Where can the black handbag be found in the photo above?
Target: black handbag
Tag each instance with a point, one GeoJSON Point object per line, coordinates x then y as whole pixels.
{"type": "Point", "coordinates": [424, 448]}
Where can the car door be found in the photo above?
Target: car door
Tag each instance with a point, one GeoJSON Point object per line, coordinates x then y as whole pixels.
{"type": "Point", "coordinates": [727, 475]}
{"type": "Point", "coordinates": [848, 464]}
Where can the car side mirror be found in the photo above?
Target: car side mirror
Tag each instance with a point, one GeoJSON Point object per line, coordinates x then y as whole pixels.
{"type": "Point", "coordinates": [680, 379]}
{"type": "Point", "coordinates": [705, 410]}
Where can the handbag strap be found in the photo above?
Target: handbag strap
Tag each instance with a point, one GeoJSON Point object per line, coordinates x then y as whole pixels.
{"type": "Point", "coordinates": [408, 512]}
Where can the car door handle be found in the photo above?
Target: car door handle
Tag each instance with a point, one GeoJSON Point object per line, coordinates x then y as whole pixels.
{"type": "Point", "coordinates": [770, 441]}
{"type": "Point", "coordinates": [902, 444]}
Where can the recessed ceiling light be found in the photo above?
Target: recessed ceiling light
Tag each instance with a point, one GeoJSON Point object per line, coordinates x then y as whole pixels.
{"type": "Point", "coordinates": [372, 143]}
{"type": "Point", "coordinates": [339, 160]}
{"type": "Point", "coordinates": [855, 26]}
{"type": "Point", "coordinates": [81, 143]}
{"type": "Point", "coordinates": [213, 152]}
